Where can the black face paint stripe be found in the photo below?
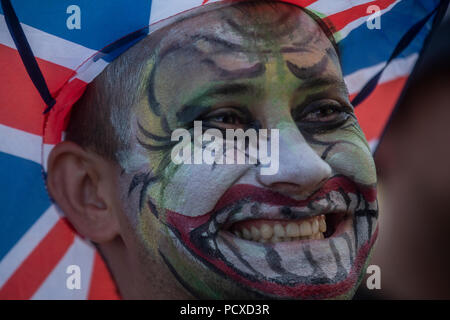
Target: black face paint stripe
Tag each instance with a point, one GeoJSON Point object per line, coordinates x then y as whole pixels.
{"type": "Point", "coordinates": [220, 42]}
{"type": "Point", "coordinates": [185, 285]}
{"type": "Point", "coordinates": [151, 135]}
{"type": "Point", "coordinates": [318, 273]}
{"type": "Point", "coordinates": [314, 82]}
{"type": "Point", "coordinates": [355, 232]}
{"type": "Point", "coordinates": [151, 147]}
{"type": "Point", "coordinates": [346, 237]}
{"type": "Point", "coordinates": [333, 144]}
{"type": "Point", "coordinates": [240, 258]}
{"type": "Point", "coordinates": [152, 208]}
{"type": "Point", "coordinates": [246, 73]}
{"type": "Point", "coordinates": [229, 89]}
{"type": "Point", "coordinates": [327, 150]}
{"type": "Point", "coordinates": [341, 272]}
{"type": "Point", "coordinates": [273, 259]}
{"type": "Point", "coordinates": [304, 73]}
{"type": "Point", "coordinates": [137, 180]}
{"type": "Point", "coordinates": [152, 101]}
{"type": "Point", "coordinates": [148, 180]}
{"type": "Point", "coordinates": [165, 125]}
{"type": "Point", "coordinates": [345, 197]}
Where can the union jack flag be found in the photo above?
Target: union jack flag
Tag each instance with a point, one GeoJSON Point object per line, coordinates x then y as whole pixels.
{"type": "Point", "coordinates": [45, 67]}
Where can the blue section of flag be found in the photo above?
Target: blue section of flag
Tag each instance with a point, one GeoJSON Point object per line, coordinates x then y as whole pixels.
{"type": "Point", "coordinates": [23, 199]}
{"type": "Point", "coordinates": [102, 22]}
{"type": "Point", "coordinates": [394, 24]}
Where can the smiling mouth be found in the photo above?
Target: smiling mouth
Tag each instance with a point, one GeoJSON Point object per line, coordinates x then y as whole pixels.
{"type": "Point", "coordinates": [280, 247]}
{"type": "Point", "coordinates": [273, 231]}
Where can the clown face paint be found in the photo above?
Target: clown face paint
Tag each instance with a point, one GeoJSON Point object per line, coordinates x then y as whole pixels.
{"type": "Point", "coordinates": [226, 231]}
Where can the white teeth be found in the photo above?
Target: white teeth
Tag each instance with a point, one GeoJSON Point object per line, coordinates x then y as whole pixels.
{"type": "Point", "coordinates": [246, 234]}
{"type": "Point", "coordinates": [322, 224]}
{"type": "Point", "coordinates": [311, 229]}
{"type": "Point", "coordinates": [278, 230]}
{"type": "Point", "coordinates": [292, 230]}
{"type": "Point", "coordinates": [315, 226]}
{"type": "Point", "coordinates": [266, 231]}
{"type": "Point", "coordinates": [305, 229]}
{"type": "Point", "coordinates": [256, 234]}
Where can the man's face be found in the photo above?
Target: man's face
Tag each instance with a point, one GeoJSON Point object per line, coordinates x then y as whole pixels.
{"type": "Point", "coordinates": [226, 231]}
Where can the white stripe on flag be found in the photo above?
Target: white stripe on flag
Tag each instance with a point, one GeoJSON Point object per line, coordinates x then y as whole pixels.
{"type": "Point", "coordinates": [89, 70]}
{"type": "Point", "coordinates": [20, 143]}
{"type": "Point", "coordinates": [399, 67]}
{"type": "Point", "coordinates": [81, 254]}
{"type": "Point", "coordinates": [23, 144]}
{"type": "Point", "coordinates": [344, 32]}
{"type": "Point", "coordinates": [27, 244]}
{"type": "Point", "coordinates": [48, 47]}
{"type": "Point", "coordinates": [163, 9]}
{"type": "Point", "coordinates": [328, 7]}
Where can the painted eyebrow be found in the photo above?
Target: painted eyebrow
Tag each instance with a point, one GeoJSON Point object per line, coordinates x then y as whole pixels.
{"type": "Point", "coordinates": [191, 110]}
{"type": "Point", "coordinates": [189, 44]}
{"type": "Point", "coordinates": [304, 73]}
{"type": "Point", "coordinates": [229, 89]}
{"type": "Point", "coordinates": [322, 82]}
{"type": "Point", "coordinates": [245, 73]}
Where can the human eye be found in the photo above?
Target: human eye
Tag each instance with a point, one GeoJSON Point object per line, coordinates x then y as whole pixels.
{"type": "Point", "coordinates": [225, 118]}
{"type": "Point", "coordinates": [323, 115]}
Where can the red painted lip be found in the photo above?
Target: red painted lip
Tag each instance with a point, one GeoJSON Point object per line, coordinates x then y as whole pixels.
{"type": "Point", "coordinates": [256, 194]}
{"type": "Point", "coordinates": [251, 193]}
{"type": "Point", "coordinates": [184, 225]}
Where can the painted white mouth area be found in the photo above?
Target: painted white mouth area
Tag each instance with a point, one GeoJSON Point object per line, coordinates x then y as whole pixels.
{"type": "Point", "coordinates": [297, 261]}
{"type": "Point", "coordinates": [293, 258]}
{"type": "Point", "coordinates": [274, 231]}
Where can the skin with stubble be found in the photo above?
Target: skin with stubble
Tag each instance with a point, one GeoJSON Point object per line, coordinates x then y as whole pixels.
{"type": "Point", "coordinates": [226, 231]}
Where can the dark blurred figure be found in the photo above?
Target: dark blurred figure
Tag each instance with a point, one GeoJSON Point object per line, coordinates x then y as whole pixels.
{"type": "Point", "coordinates": [413, 160]}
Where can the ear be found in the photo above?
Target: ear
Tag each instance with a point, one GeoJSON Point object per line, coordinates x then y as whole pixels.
{"type": "Point", "coordinates": [82, 184]}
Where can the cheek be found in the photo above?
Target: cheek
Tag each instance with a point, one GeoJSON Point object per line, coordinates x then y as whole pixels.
{"type": "Point", "coordinates": [353, 162]}
{"type": "Point", "coordinates": [351, 155]}
{"type": "Point", "coordinates": [190, 190]}
{"type": "Point", "coordinates": [194, 189]}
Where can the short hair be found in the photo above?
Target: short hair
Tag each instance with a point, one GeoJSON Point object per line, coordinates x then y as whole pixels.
{"type": "Point", "coordinates": [100, 119]}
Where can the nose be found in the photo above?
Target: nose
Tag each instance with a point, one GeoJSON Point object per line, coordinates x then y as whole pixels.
{"type": "Point", "coordinates": [301, 171]}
